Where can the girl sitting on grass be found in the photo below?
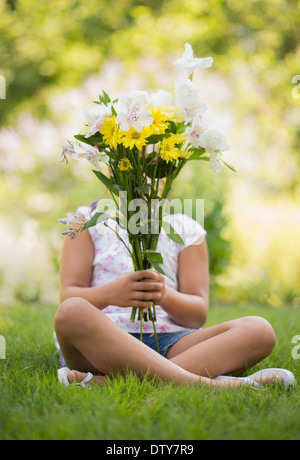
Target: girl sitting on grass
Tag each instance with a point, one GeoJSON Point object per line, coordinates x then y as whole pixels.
{"type": "Point", "coordinates": [98, 289]}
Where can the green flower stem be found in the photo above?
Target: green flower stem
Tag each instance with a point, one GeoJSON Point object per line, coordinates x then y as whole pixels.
{"type": "Point", "coordinates": [155, 333]}
{"type": "Point", "coordinates": [118, 236]}
{"type": "Point", "coordinates": [133, 314]}
{"type": "Point", "coordinates": [140, 243]}
{"type": "Point", "coordinates": [141, 330]}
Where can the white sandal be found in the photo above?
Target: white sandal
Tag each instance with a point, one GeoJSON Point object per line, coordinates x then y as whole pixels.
{"type": "Point", "coordinates": [63, 378]}
{"type": "Point", "coordinates": [247, 380]}
{"type": "Point", "coordinates": [288, 379]}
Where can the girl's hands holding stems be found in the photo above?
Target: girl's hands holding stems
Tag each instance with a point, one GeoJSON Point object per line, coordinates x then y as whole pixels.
{"type": "Point", "coordinates": [138, 289]}
{"type": "Point", "coordinates": [188, 306]}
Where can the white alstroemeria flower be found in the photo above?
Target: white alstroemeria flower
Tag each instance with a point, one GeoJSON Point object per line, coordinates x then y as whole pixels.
{"type": "Point", "coordinates": [79, 150]}
{"type": "Point", "coordinates": [213, 140]}
{"type": "Point", "coordinates": [215, 163]}
{"type": "Point", "coordinates": [71, 218]}
{"type": "Point", "coordinates": [142, 95]}
{"type": "Point", "coordinates": [93, 118]}
{"type": "Point", "coordinates": [188, 99]}
{"type": "Point", "coordinates": [162, 98]}
{"type": "Point", "coordinates": [189, 64]}
{"type": "Point", "coordinates": [93, 206]}
{"type": "Point", "coordinates": [193, 133]}
{"type": "Point", "coordinates": [131, 112]}
{"type": "Point", "coordinates": [91, 154]}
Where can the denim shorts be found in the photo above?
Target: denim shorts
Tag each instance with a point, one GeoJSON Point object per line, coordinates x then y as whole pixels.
{"type": "Point", "coordinates": [165, 340]}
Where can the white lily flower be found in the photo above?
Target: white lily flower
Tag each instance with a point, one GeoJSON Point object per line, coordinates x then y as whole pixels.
{"type": "Point", "coordinates": [193, 133]}
{"type": "Point", "coordinates": [94, 116]}
{"type": "Point", "coordinates": [213, 140]}
{"type": "Point", "coordinates": [81, 150]}
{"type": "Point", "coordinates": [189, 64]}
{"type": "Point", "coordinates": [215, 163]}
{"type": "Point", "coordinates": [162, 98]}
{"type": "Point", "coordinates": [132, 113]}
{"type": "Point", "coordinates": [188, 99]}
{"type": "Point", "coordinates": [142, 95]}
{"type": "Point", "coordinates": [71, 218]}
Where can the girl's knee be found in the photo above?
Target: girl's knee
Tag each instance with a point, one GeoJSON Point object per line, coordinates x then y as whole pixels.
{"type": "Point", "coordinates": [69, 311]}
{"type": "Point", "coordinates": [261, 333]}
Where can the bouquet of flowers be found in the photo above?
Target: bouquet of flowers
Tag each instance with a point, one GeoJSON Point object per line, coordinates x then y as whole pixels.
{"type": "Point", "coordinates": [145, 141]}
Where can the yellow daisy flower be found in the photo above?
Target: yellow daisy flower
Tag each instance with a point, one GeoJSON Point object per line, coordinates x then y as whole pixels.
{"type": "Point", "coordinates": [133, 138]}
{"type": "Point", "coordinates": [185, 154]}
{"type": "Point", "coordinates": [111, 132]}
{"type": "Point", "coordinates": [125, 165]}
{"type": "Point", "coordinates": [168, 147]}
{"type": "Point", "coordinates": [159, 125]}
{"type": "Point", "coordinates": [178, 138]}
{"type": "Point", "coordinates": [171, 113]}
{"type": "Point", "coordinates": [168, 150]}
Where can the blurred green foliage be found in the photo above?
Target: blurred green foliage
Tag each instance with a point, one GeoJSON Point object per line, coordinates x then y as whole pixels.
{"type": "Point", "coordinates": [59, 42]}
{"type": "Point", "coordinates": [47, 48]}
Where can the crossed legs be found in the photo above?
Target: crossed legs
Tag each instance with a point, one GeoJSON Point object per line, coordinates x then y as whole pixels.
{"type": "Point", "coordinates": [91, 342]}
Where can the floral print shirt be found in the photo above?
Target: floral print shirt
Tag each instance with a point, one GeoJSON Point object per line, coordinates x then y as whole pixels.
{"type": "Point", "coordinates": [111, 260]}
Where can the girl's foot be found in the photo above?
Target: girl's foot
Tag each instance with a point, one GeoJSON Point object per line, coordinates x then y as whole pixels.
{"type": "Point", "coordinates": [78, 377]}
{"type": "Point", "coordinates": [264, 377]}
{"type": "Point", "coordinates": [256, 381]}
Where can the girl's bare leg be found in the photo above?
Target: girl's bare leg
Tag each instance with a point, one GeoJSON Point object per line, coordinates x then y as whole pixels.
{"type": "Point", "coordinates": [91, 342]}
{"type": "Point", "coordinates": [229, 348]}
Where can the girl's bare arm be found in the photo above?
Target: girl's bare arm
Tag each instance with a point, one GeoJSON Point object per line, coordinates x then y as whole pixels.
{"type": "Point", "coordinates": [189, 306]}
{"type": "Point", "coordinates": [132, 289]}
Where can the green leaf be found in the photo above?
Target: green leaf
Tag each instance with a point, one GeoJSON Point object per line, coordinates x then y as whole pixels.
{"type": "Point", "coordinates": [155, 138]}
{"type": "Point", "coordinates": [156, 260]}
{"type": "Point", "coordinates": [154, 256]}
{"type": "Point", "coordinates": [109, 183]}
{"type": "Point", "coordinates": [104, 99]}
{"type": "Point", "coordinates": [163, 169]}
{"type": "Point", "coordinates": [143, 188]}
{"type": "Point", "coordinates": [229, 166]}
{"type": "Point", "coordinates": [94, 220]}
{"type": "Point", "coordinates": [200, 159]}
{"type": "Point", "coordinates": [176, 128]}
{"type": "Point", "coordinates": [162, 269]}
{"type": "Point", "coordinates": [171, 232]}
{"type": "Point", "coordinates": [197, 153]}
{"type": "Point", "coordinates": [92, 140]}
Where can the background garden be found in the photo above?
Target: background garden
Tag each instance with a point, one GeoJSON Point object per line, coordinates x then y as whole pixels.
{"type": "Point", "coordinates": [58, 56]}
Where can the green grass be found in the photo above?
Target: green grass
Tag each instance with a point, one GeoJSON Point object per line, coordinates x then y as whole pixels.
{"type": "Point", "coordinates": [34, 406]}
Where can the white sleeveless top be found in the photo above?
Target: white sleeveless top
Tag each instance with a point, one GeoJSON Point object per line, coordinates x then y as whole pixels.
{"type": "Point", "coordinates": [111, 260]}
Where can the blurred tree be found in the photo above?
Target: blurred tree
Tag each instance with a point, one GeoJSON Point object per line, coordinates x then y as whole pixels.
{"type": "Point", "coordinates": [55, 43]}
{"type": "Point", "coordinates": [49, 47]}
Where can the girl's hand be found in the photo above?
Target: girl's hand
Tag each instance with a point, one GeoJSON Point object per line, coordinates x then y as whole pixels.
{"type": "Point", "coordinates": [138, 289]}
